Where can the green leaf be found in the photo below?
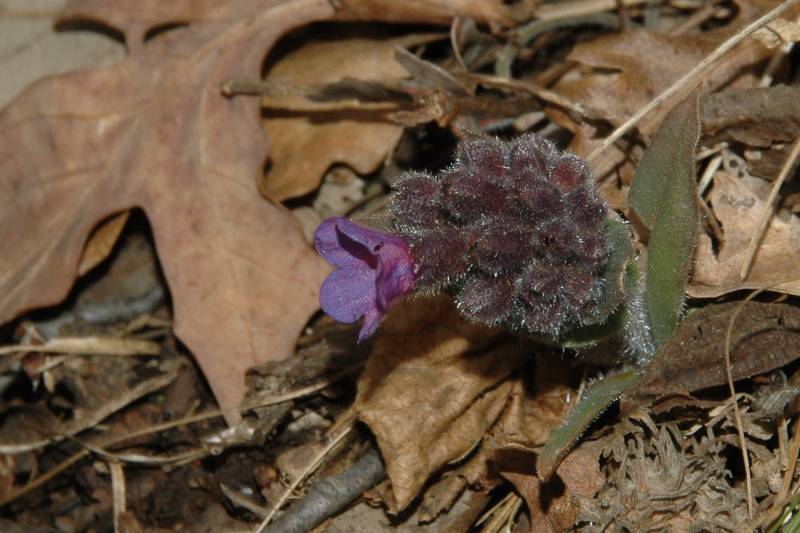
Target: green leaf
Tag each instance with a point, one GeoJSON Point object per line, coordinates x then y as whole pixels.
{"type": "Point", "coordinates": [619, 238]}
{"type": "Point", "coordinates": [590, 335]}
{"type": "Point", "coordinates": [596, 399]}
{"type": "Point", "coordinates": [663, 198]}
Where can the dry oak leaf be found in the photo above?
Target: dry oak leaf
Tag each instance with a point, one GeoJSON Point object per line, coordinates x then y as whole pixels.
{"type": "Point", "coordinates": [433, 386]}
{"type": "Point", "coordinates": [622, 72]}
{"type": "Point", "coordinates": [738, 209]}
{"type": "Point", "coordinates": [154, 132]}
{"type": "Point", "coordinates": [492, 12]}
{"type": "Point", "coordinates": [355, 139]}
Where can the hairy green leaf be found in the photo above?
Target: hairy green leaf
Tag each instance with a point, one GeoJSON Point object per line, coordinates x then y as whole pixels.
{"type": "Point", "coordinates": [596, 399]}
{"type": "Point", "coordinates": [663, 197]}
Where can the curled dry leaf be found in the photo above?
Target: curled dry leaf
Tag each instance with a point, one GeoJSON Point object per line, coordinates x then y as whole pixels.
{"type": "Point", "coordinates": [354, 138]}
{"type": "Point", "coordinates": [153, 131]}
{"type": "Point", "coordinates": [434, 384]}
{"type": "Point", "coordinates": [738, 209]}
{"type": "Point", "coordinates": [525, 424]}
{"type": "Point", "coordinates": [581, 477]}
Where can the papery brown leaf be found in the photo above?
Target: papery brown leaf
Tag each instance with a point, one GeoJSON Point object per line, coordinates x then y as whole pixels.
{"type": "Point", "coordinates": [101, 241]}
{"type": "Point", "coordinates": [555, 509]}
{"type": "Point", "coordinates": [757, 117]}
{"type": "Point", "coordinates": [492, 12]}
{"type": "Point", "coordinates": [433, 386]}
{"type": "Point", "coordinates": [628, 77]}
{"type": "Point", "coordinates": [357, 140]}
{"type": "Point", "coordinates": [779, 32]}
{"type": "Point", "coordinates": [738, 209]}
{"type": "Point", "coordinates": [441, 496]}
{"type": "Point", "coordinates": [765, 336]}
{"type": "Point", "coordinates": [31, 47]}
{"type": "Point", "coordinates": [633, 67]}
{"type": "Point", "coordinates": [526, 423]}
{"type": "Point", "coordinates": [530, 415]}
{"type": "Point", "coordinates": [153, 131]}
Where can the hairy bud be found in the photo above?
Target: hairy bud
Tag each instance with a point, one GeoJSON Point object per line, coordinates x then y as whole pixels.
{"type": "Point", "coordinates": [514, 230]}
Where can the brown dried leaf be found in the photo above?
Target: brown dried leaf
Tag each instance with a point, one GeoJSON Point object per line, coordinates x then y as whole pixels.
{"type": "Point", "coordinates": [433, 386]}
{"type": "Point", "coordinates": [738, 209]}
{"type": "Point", "coordinates": [492, 12]}
{"type": "Point", "coordinates": [758, 116]}
{"type": "Point", "coordinates": [101, 242]}
{"type": "Point", "coordinates": [765, 336]}
{"type": "Point", "coordinates": [530, 416]}
{"type": "Point", "coordinates": [440, 497]}
{"type": "Point", "coordinates": [627, 70]}
{"type": "Point", "coordinates": [356, 139]}
{"type": "Point", "coordinates": [634, 77]}
{"type": "Point", "coordinates": [555, 510]}
{"type": "Point", "coordinates": [153, 131]}
{"type": "Point", "coordinates": [779, 31]}
{"type": "Point", "coordinates": [100, 385]}
{"type": "Point", "coordinates": [31, 48]}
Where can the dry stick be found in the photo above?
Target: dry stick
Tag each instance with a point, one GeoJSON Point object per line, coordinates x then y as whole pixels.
{"type": "Point", "coordinates": [695, 19]}
{"type": "Point", "coordinates": [47, 476]}
{"type": "Point", "coordinates": [580, 7]}
{"type": "Point", "coordinates": [330, 495]}
{"type": "Point", "coordinates": [774, 63]}
{"type": "Point", "coordinates": [118, 493]}
{"type": "Point", "coordinates": [789, 475]}
{"type": "Point", "coordinates": [767, 211]}
{"type": "Point", "coordinates": [684, 85]}
{"type": "Point", "coordinates": [304, 474]}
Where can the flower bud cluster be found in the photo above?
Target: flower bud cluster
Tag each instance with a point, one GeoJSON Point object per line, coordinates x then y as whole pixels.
{"type": "Point", "coordinates": [514, 230]}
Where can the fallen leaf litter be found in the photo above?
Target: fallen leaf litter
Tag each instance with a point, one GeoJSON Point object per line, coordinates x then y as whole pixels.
{"type": "Point", "coordinates": [456, 411]}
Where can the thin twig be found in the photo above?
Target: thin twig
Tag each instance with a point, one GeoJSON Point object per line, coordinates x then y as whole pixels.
{"type": "Point", "coordinates": [695, 19]}
{"type": "Point", "coordinates": [774, 63]}
{"type": "Point", "coordinates": [688, 81]}
{"type": "Point", "coordinates": [789, 474]}
{"type": "Point", "coordinates": [117, 493]}
{"type": "Point", "coordinates": [708, 174]}
{"type": "Point", "coordinates": [115, 439]}
{"type": "Point", "coordinates": [88, 346]}
{"type": "Point", "coordinates": [265, 402]}
{"type": "Point", "coordinates": [330, 495]}
{"type": "Point", "coordinates": [737, 414]}
{"type": "Point", "coordinates": [578, 8]}
{"type": "Point", "coordinates": [767, 211]}
{"type": "Point", "coordinates": [309, 469]}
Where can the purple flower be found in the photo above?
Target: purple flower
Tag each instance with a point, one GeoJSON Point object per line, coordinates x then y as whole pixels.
{"type": "Point", "coordinates": [375, 270]}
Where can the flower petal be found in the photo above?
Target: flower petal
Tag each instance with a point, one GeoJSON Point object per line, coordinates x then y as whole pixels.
{"type": "Point", "coordinates": [372, 320]}
{"type": "Point", "coordinates": [327, 243]}
{"type": "Point", "coordinates": [373, 240]}
{"type": "Point", "coordinates": [395, 274]}
{"type": "Point", "coordinates": [349, 293]}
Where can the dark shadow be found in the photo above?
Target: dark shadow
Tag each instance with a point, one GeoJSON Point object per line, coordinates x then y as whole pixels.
{"type": "Point", "coordinates": [161, 29]}
{"type": "Point", "coordinates": [93, 26]}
